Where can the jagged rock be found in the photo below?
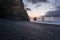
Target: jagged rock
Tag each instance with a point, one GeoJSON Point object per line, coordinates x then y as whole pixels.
{"type": "Point", "coordinates": [13, 10]}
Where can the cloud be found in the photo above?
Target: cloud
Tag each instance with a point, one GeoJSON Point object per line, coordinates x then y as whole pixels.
{"type": "Point", "coordinates": [58, 7]}
{"type": "Point", "coordinates": [38, 5]}
{"type": "Point", "coordinates": [37, 1]}
{"type": "Point", "coordinates": [55, 13]}
{"type": "Point", "coordinates": [56, 3]}
{"type": "Point", "coordinates": [28, 9]}
{"type": "Point", "coordinates": [25, 5]}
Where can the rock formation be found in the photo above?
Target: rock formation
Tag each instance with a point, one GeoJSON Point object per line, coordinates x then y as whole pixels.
{"type": "Point", "coordinates": [13, 10]}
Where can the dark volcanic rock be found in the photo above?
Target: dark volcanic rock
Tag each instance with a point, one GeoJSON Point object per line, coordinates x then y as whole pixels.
{"type": "Point", "coordinates": [15, 30]}
{"type": "Point", "coordinates": [13, 10]}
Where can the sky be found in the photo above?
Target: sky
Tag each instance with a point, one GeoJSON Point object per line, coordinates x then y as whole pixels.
{"type": "Point", "coordinates": [37, 8]}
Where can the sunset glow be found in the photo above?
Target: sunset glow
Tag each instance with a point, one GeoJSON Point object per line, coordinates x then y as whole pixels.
{"type": "Point", "coordinates": [38, 9]}
{"type": "Point", "coordinates": [36, 14]}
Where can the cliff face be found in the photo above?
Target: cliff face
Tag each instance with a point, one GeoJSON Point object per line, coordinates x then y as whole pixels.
{"type": "Point", "coordinates": [13, 10]}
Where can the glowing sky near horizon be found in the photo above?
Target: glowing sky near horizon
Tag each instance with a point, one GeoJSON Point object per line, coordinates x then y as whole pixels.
{"type": "Point", "coordinates": [39, 9]}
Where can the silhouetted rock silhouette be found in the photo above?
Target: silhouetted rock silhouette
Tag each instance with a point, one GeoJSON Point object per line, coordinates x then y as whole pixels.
{"type": "Point", "coordinates": [35, 18]}
{"type": "Point", "coordinates": [13, 10]}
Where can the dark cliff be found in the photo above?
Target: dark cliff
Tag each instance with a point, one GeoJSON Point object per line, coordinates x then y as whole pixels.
{"type": "Point", "coordinates": [13, 10]}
